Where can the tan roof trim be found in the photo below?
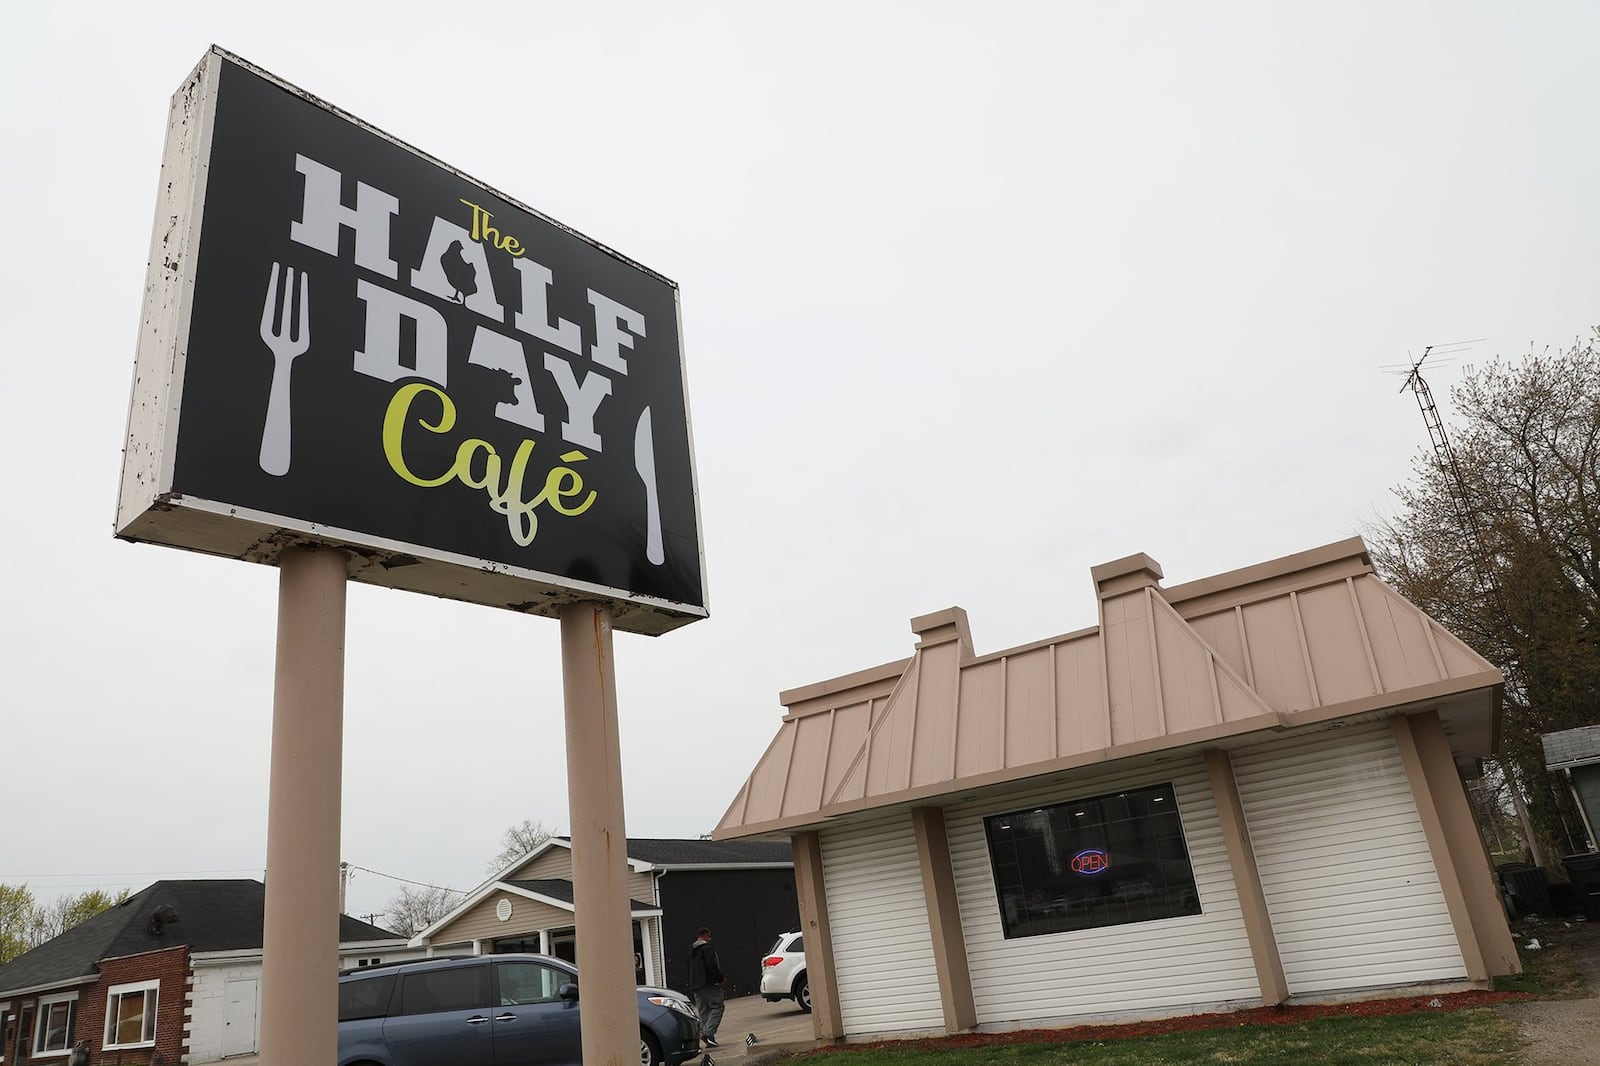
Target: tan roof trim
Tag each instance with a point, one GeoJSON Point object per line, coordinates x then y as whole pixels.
{"type": "Point", "coordinates": [1020, 649]}
{"type": "Point", "coordinates": [1316, 566]}
{"type": "Point", "coordinates": [1298, 642]}
{"type": "Point", "coordinates": [1274, 721]}
{"type": "Point", "coordinates": [843, 683]}
{"type": "Point", "coordinates": [1210, 735]}
{"type": "Point", "coordinates": [864, 752]}
{"type": "Point", "coordinates": [1387, 701]}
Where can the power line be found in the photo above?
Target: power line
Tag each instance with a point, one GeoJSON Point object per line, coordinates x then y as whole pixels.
{"type": "Point", "coordinates": [406, 880]}
{"type": "Point", "coordinates": [132, 873]}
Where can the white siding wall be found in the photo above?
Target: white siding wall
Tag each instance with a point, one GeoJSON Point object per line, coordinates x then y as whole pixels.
{"type": "Point", "coordinates": [1166, 966]}
{"type": "Point", "coordinates": [882, 948]}
{"type": "Point", "coordinates": [208, 1006]}
{"type": "Point", "coordinates": [1349, 880]}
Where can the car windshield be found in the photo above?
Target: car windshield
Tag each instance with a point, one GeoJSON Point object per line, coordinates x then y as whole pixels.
{"type": "Point", "coordinates": [777, 947]}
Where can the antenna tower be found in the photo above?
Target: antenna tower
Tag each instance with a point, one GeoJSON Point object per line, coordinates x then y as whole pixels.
{"type": "Point", "coordinates": [1478, 551]}
{"type": "Point", "coordinates": [1461, 505]}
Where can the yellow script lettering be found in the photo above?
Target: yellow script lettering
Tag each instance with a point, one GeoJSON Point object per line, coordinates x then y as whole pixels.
{"type": "Point", "coordinates": [561, 483]}
{"type": "Point", "coordinates": [483, 231]}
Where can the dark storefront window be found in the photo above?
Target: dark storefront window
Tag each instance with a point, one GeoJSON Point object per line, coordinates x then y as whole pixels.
{"type": "Point", "coordinates": [1105, 860]}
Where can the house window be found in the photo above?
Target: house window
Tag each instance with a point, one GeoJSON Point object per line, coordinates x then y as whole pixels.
{"type": "Point", "coordinates": [131, 1014]}
{"type": "Point", "coordinates": [7, 1021]}
{"type": "Point", "coordinates": [52, 1034]}
{"type": "Point", "coordinates": [1104, 860]}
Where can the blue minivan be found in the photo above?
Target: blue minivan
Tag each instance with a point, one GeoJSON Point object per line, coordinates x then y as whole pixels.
{"type": "Point", "coordinates": [490, 1010]}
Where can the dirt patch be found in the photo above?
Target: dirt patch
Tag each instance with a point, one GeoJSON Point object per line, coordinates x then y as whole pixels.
{"type": "Point", "coordinates": [1290, 1015]}
{"type": "Point", "coordinates": [1559, 1031]}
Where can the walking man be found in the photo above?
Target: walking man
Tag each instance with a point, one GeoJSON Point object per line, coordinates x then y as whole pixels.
{"type": "Point", "coordinates": [705, 985]}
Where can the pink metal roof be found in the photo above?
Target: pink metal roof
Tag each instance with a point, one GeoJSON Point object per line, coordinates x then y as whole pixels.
{"type": "Point", "coordinates": [1296, 642]}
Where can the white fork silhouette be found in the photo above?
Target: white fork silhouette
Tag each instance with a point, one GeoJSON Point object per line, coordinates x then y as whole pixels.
{"type": "Point", "coordinates": [285, 344]}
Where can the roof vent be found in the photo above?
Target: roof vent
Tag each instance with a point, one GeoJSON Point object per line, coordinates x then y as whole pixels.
{"type": "Point", "coordinates": [164, 916]}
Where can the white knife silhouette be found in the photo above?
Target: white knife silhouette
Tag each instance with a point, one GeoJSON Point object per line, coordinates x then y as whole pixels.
{"type": "Point", "coordinates": [644, 461]}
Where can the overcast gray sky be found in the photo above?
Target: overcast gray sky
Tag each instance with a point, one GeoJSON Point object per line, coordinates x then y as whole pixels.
{"type": "Point", "coordinates": [974, 297]}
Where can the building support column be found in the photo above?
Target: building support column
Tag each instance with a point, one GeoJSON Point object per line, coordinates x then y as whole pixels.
{"type": "Point", "coordinates": [944, 919]}
{"type": "Point", "coordinates": [649, 955]}
{"type": "Point", "coordinates": [826, 1019]}
{"type": "Point", "coordinates": [1247, 880]}
{"type": "Point", "coordinates": [1456, 846]}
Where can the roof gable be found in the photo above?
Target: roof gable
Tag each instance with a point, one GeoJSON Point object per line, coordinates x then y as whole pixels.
{"type": "Point", "coordinates": [1571, 747]}
{"type": "Point", "coordinates": [550, 863]}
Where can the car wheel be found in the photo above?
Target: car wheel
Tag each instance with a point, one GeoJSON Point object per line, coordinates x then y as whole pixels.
{"type": "Point", "coordinates": [802, 992]}
{"type": "Point", "coordinates": [649, 1053]}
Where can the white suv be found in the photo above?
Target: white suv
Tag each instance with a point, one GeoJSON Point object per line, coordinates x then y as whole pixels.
{"type": "Point", "coordinates": [783, 972]}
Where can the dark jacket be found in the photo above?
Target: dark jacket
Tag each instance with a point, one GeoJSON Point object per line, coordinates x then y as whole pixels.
{"type": "Point", "coordinates": [704, 969]}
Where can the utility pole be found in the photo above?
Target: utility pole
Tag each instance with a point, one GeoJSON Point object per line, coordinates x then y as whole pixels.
{"type": "Point", "coordinates": [344, 883]}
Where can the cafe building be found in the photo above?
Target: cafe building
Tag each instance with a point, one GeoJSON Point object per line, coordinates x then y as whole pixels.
{"type": "Point", "coordinates": [1238, 791]}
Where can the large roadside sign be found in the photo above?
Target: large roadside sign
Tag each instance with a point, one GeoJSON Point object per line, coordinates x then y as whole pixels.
{"type": "Point", "coordinates": [348, 342]}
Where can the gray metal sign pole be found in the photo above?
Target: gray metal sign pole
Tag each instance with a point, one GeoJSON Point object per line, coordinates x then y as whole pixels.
{"type": "Point", "coordinates": [300, 961]}
{"type": "Point", "coordinates": [610, 1014]}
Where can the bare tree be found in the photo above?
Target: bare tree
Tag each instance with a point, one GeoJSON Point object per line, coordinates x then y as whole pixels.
{"type": "Point", "coordinates": [417, 907]}
{"type": "Point", "coordinates": [67, 911]}
{"type": "Point", "coordinates": [1524, 587]}
{"type": "Point", "coordinates": [517, 841]}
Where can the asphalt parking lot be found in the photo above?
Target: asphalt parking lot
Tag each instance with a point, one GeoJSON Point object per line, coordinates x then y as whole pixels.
{"type": "Point", "coordinates": [779, 1026]}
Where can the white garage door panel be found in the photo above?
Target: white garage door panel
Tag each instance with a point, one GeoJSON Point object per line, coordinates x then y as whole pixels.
{"type": "Point", "coordinates": [1345, 866]}
{"type": "Point", "coordinates": [1394, 850]}
{"type": "Point", "coordinates": [1146, 966]}
{"type": "Point", "coordinates": [882, 948]}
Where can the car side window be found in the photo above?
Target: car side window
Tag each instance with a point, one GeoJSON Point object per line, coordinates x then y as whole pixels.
{"type": "Point", "coordinates": [529, 982]}
{"type": "Point", "coordinates": [460, 988]}
{"type": "Point", "coordinates": [367, 997]}
{"type": "Point", "coordinates": [797, 945]}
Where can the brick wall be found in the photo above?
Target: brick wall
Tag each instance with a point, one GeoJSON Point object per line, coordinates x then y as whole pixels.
{"type": "Point", "coordinates": [171, 968]}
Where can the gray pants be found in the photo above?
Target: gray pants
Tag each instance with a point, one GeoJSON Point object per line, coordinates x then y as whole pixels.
{"type": "Point", "coordinates": [708, 1004]}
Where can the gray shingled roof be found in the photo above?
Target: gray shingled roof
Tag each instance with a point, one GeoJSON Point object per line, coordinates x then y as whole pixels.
{"type": "Point", "coordinates": [666, 852]}
{"type": "Point", "coordinates": [1571, 747]}
{"type": "Point", "coordinates": [562, 890]}
{"type": "Point", "coordinates": [212, 916]}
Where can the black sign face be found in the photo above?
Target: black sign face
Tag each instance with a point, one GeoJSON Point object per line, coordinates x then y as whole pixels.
{"type": "Point", "coordinates": [381, 346]}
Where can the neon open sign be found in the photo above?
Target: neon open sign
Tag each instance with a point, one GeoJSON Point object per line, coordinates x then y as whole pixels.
{"type": "Point", "coordinates": [1090, 862]}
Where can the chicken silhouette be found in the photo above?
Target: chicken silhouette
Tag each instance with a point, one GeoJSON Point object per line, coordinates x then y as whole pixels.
{"type": "Point", "coordinates": [462, 275]}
